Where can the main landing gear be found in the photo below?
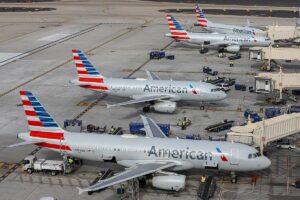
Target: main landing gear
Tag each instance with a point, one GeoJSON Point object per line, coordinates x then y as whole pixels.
{"type": "Point", "coordinates": [146, 109]}
{"type": "Point", "coordinates": [233, 177]}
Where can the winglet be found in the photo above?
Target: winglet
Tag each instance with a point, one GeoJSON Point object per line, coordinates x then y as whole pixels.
{"type": "Point", "coordinates": [151, 128]}
{"type": "Point", "coordinates": [80, 190]}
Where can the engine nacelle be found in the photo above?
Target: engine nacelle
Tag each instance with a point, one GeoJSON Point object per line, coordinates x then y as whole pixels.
{"type": "Point", "coordinates": [174, 182]}
{"type": "Point", "coordinates": [233, 48]}
{"type": "Point", "coordinates": [165, 106]}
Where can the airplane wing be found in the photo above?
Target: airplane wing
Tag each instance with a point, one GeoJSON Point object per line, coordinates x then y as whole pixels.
{"type": "Point", "coordinates": [151, 128]}
{"type": "Point", "coordinates": [141, 100]}
{"type": "Point", "coordinates": [152, 76]}
{"type": "Point", "coordinates": [131, 173]}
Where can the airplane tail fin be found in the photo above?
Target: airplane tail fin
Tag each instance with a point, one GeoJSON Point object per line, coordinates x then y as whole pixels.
{"type": "Point", "coordinates": [176, 30]}
{"type": "Point", "coordinates": [201, 19]}
{"type": "Point", "coordinates": [41, 124]}
{"type": "Point", "coordinates": [88, 76]}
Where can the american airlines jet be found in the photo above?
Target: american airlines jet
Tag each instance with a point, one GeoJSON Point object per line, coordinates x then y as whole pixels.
{"type": "Point", "coordinates": [228, 42]}
{"type": "Point", "coordinates": [225, 28]}
{"type": "Point", "coordinates": [154, 154]}
{"type": "Point", "coordinates": [159, 94]}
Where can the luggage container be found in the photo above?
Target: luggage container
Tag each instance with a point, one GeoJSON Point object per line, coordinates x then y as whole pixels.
{"type": "Point", "coordinates": [240, 87]}
{"type": "Point", "coordinates": [296, 92]}
{"type": "Point", "coordinates": [138, 128]}
{"type": "Point", "coordinates": [170, 57]}
{"type": "Point", "coordinates": [253, 116]}
{"type": "Point", "coordinates": [157, 54]}
{"type": "Point", "coordinates": [272, 112]}
{"type": "Point", "coordinates": [294, 109]}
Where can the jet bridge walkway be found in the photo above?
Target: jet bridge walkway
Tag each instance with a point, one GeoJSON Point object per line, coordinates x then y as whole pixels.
{"type": "Point", "coordinates": [261, 133]}
{"type": "Point", "coordinates": [268, 82]}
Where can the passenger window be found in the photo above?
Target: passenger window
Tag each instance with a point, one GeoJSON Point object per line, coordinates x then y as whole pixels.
{"type": "Point", "coordinates": [254, 155]}
{"type": "Point", "coordinates": [250, 156]}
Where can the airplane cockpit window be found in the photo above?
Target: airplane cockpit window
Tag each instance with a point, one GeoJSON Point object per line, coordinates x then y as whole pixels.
{"type": "Point", "coordinates": [267, 39]}
{"type": "Point", "coordinates": [254, 155]}
{"type": "Point", "coordinates": [216, 89]}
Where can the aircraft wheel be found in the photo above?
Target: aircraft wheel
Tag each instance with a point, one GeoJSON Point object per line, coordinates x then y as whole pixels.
{"type": "Point", "coordinates": [142, 182]}
{"type": "Point", "coordinates": [90, 192]}
{"type": "Point", "coordinates": [29, 171]}
{"type": "Point", "coordinates": [146, 109]}
{"type": "Point", "coordinates": [234, 180]}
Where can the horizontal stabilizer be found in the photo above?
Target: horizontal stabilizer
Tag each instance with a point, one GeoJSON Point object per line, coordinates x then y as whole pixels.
{"type": "Point", "coordinates": [24, 143]}
{"type": "Point", "coordinates": [78, 83]}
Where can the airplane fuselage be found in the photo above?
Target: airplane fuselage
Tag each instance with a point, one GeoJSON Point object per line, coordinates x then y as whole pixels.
{"type": "Point", "coordinates": [127, 149]}
{"type": "Point", "coordinates": [177, 90]}
{"type": "Point", "coordinates": [242, 40]}
{"type": "Point", "coordinates": [233, 29]}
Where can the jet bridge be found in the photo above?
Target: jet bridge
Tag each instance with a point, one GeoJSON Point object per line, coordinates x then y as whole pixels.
{"type": "Point", "coordinates": [261, 133]}
{"type": "Point", "coordinates": [273, 53]}
{"type": "Point", "coordinates": [276, 32]}
{"type": "Point", "coordinates": [268, 82]}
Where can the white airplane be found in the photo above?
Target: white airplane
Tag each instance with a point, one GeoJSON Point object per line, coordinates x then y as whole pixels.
{"type": "Point", "coordinates": [228, 42]}
{"type": "Point", "coordinates": [159, 94]}
{"type": "Point", "coordinates": [154, 154]}
{"type": "Point", "coordinates": [225, 28]}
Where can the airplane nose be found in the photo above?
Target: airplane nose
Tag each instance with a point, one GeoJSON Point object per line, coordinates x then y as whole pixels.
{"type": "Point", "coordinates": [264, 163]}
{"type": "Point", "coordinates": [267, 162]}
{"type": "Point", "coordinates": [222, 95]}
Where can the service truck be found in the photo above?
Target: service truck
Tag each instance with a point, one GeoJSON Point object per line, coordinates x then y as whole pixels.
{"type": "Point", "coordinates": [31, 164]}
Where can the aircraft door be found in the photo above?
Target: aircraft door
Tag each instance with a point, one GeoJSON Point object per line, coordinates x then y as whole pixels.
{"type": "Point", "coordinates": [210, 161]}
{"type": "Point", "coordinates": [234, 157]}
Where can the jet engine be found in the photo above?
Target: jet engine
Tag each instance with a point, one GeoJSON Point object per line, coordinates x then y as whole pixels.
{"type": "Point", "coordinates": [174, 182]}
{"type": "Point", "coordinates": [233, 48]}
{"type": "Point", "coordinates": [165, 106]}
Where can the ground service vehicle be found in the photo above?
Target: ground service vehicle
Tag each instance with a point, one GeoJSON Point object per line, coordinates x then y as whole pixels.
{"type": "Point", "coordinates": [31, 164]}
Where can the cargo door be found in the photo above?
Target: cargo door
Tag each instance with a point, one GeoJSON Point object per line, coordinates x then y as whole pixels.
{"type": "Point", "coordinates": [210, 161]}
{"type": "Point", "coordinates": [234, 157]}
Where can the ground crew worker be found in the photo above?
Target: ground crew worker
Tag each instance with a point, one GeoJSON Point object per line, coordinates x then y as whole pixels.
{"type": "Point", "coordinates": [112, 129]}
{"type": "Point", "coordinates": [202, 179]}
{"type": "Point", "coordinates": [183, 125]}
{"type": "Point", "coordinates": [231, 64]}
{"type": "Point", "coordinates": [254, 179]}
{"type": "Point", "coordinates": [70, 161]}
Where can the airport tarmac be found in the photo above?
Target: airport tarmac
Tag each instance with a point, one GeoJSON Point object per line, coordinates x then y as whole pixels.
{"type": "Point", "coordinates": [35, 55]}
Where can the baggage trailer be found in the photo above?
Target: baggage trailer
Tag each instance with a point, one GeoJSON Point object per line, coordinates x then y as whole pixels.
{"type": "Point", "coordinates": [32, 164]}
{"type": "Point", "coordinates": [225, 125]}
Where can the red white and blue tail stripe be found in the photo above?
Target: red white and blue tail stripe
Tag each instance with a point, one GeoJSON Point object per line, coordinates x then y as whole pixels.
{"type": "Point", "coordinates": [176, 30]}
{"type": "Point", "coordinates": [201, 19]}
{"type": "Point", "coordinates": [41, 124]}
{"type": "Point", "coordinates": [88, 76]}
